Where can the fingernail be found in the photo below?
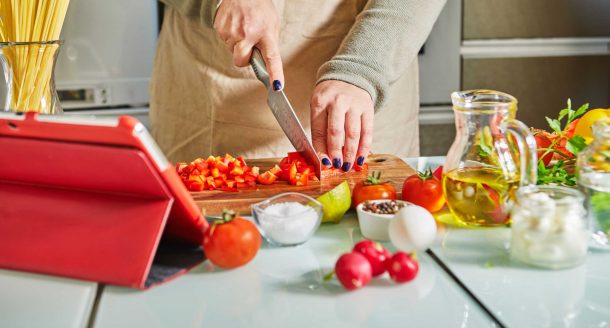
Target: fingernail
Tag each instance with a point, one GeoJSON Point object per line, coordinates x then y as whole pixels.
{"type": "Point", "coordinates": [326, 161]}
{"type": "Point", "coordinates": [360, 160]}
{"type": "Point", "coordinates": [337, 163]}
{"type": "Point", "coordinates": [277, 85]}
{"type": "Point", "coordinates": [346, 166]}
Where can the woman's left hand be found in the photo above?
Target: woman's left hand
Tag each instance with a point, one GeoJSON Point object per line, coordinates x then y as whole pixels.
{"type": "Point", "coordinates": [342, 117]}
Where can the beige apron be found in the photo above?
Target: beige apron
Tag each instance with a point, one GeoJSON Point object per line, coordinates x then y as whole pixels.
{"type": "Point", "coordinates": [202, 105]}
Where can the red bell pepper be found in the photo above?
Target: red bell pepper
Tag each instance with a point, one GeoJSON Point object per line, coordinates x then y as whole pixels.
{"type": "Point", "coordinates": [267, 178]}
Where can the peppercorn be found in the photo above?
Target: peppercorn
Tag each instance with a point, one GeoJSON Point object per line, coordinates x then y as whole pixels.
{"type": "Point", "coordinates": [385, 207]}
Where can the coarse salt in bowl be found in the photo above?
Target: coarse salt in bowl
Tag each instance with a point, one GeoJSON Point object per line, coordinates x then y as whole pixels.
{"type": "Point", "coordinates": [288, 219]}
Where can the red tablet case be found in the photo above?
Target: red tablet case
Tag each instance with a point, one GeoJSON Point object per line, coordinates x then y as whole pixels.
{"type": "Point", "coordinates": [90, 200]}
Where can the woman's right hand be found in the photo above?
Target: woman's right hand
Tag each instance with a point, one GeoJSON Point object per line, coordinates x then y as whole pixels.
{"type": "Point", "coordinates": [245, 24]}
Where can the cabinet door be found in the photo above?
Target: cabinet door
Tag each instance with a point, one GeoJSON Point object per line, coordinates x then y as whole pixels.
{"type": "Point", "coordinates": [497, 19]}
{"type": "Point", "coordinates": [542, 84]}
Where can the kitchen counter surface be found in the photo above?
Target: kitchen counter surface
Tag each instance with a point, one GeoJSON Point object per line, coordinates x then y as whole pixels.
{"type": "Point", "coordinates": [33, 300]}
{"type": "Point", "coordinates": [519, 295]}
{"type": "Point", "coordinates": [465, 280]}
{"type": "Point", "coordinates": [283, 287]}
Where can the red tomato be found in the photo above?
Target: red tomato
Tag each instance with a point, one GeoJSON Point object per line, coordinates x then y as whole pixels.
{"type": "Point", "coordinates": [438, 173]}
{"type": "Point", "coordinates": [371, 189]}
{"type": "Point", "coordinates": [375, 253]}
{"type": "Point", "coordinates": [231, 242]}
{"type": "Point", "coordinates": [402, 267]}
{"type": "Point", "coordinates": [542, 142]}
{"type": "Point", "coordinates": [425, 190]}
{"type": "Point", "coordinates": [569, 131]}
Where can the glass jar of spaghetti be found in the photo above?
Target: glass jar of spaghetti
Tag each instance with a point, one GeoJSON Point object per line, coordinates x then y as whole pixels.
{"type": "Point", "coordinates": [28, 83]}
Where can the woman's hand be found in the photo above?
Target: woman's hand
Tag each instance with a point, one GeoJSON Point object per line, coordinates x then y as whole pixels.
{"type": "Point", "coordinates": [245, 24]}
{"type": "Point", "coordinates": [341, 123]}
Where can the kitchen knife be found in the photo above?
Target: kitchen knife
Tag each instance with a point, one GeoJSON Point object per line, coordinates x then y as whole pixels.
{"type": "Point", "coordinates": [284, 114]}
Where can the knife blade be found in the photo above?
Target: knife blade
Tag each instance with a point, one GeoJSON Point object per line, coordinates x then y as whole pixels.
{"type": "Point", "coordinates": [284, 113]}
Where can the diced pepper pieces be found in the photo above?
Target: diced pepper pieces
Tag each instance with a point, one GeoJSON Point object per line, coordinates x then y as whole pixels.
{"type": "Point", "coordinates": [237, 170]}
{"type": "Point", "coordinates": [267, 178]}
{"type": "Point", "coordinates": [222, 166]}
{"type": "Point", "coordinates": [211, 184]}
{"type": "Point", "coordinates": [180, 167]}
{"type": "Point", "coordinates": [196, 186]}
{"type": "Point", "coordinates": [292, 174]}
{"type": "Point", "coordinates": [301, 179]}
{"type": "Point", "coordinates": [249, 176]}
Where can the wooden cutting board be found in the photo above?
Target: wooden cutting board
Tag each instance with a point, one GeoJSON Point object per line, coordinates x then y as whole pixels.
{"type": "Point", "coordinates": [392, 168]}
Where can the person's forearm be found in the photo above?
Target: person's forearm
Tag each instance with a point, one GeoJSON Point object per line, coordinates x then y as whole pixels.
{"type": "Point", "coordinates": [204, 10]}
{"type": "Point", "coordinates": [384, 40]}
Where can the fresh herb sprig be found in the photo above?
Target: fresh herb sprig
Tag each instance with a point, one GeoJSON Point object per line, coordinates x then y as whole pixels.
{"type": "Point", "coordinates": [574, 144]}
{"type": "Point", "coordinates": [557, 173]}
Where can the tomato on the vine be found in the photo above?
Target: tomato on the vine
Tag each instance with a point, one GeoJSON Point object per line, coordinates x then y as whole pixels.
{"type": "Point", "coordinates": [371, 189]}
{"type": "Point", "coordinates": [425, 190]}
{"type": "Point", "coordinates": [543, 142]}
{"type": "Point", "coordinates": [231, 242]}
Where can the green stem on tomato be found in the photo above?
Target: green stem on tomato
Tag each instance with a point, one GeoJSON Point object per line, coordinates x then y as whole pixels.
{"type": "Point", "coordinates": [551, 148]}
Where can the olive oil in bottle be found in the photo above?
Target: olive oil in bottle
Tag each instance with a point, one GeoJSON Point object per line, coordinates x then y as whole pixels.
{"type": "Point", "coordinates": [477, 196]}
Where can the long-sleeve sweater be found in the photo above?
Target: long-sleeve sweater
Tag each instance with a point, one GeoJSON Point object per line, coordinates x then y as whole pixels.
{"type": "Point", "coordinates": [384, 40]}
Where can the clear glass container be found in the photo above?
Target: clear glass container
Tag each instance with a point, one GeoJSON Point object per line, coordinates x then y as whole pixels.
{"type": "Point", "coordinates": [491, 156]}
{"type": "Point", "coordinates": [593, 169]}
{"type": "Point", "coordinates": [549, 227]}
{"type": "Point", "coordinates": [288, 219]}
{"type": "Point", "coordinates": [28, 83]}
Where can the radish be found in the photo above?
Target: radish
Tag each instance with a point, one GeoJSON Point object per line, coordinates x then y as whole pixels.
{"type": "Point", "coordinates": [402, 267]}
{"type": "Point", "coordinates": [353, 270]}
{"type": "Point", "coordinates": [375, 253]}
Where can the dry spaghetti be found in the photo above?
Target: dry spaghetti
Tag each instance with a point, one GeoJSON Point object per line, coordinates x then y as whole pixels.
{"type": "Point", "coordinates": [28, 32]}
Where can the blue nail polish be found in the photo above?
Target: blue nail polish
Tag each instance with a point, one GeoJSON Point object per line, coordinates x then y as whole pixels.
{"type": "Point", "coordinates": [360, 160]}
{"type": "Point", "coordinates": [346, 166]}
{"type": "Point", "coordinates": [326, 161]}
{"type": "Point", "coordinates": [277, 85]}
{"type": "Point", "coordinates": [337, 163]}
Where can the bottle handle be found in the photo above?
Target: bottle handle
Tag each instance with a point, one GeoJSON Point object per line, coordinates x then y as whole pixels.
{"type": "Point", "coordinates": [528, 156]}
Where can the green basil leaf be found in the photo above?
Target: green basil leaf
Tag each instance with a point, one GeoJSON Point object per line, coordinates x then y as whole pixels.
{"type": "Point", "coordinates": [576, 144]}
{"type": "Point", "coordinates": [581, 110]}
{"type": "Point", "coordinates": [554, 124]}
{"type": "Point", "coordinates": [563, 113]}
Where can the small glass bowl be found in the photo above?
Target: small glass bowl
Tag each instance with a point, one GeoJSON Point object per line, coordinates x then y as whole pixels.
{"type": "Point", "coordinates": [284, 226]}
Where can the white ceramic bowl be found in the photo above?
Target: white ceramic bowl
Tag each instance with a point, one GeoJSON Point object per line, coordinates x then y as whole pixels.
{"type": "Point", "coordinates": [375, 226]}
